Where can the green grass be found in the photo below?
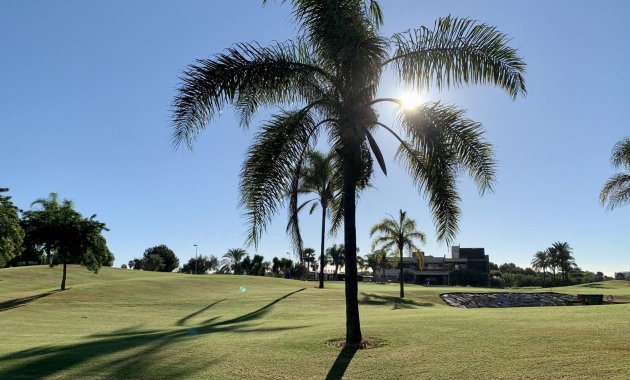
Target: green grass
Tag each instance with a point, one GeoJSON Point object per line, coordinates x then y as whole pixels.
{"type": "Point", "coordinates": [129, 324]}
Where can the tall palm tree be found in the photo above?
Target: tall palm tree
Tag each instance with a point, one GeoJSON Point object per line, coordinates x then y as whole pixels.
{"type": "Point", "coordinates": [326, 82]}
{"type": "Point", "coordinates": [320, 177]}
{"type": "Point", "coordinates": [541, 262]}
{"type": "Point", "coordinates": [232, 260]}
{"type": "Point", "coordinates": [616, 190]}
{"type": "Point", "coordinates": [336, 256]}
{"type": "Point", "coordinates": [399, 233]}
{"type": "Point", "coordinates": [309, 257]}
{"type": "Point", "coordinates": [566, 261]}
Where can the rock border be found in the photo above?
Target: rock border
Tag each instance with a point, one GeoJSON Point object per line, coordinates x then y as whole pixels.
{"type": "Point", "coordinates": [499, 300]}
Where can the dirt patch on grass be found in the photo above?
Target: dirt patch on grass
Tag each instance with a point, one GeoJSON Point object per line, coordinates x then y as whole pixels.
{"type": "Point", "coordinates": [366, 343]}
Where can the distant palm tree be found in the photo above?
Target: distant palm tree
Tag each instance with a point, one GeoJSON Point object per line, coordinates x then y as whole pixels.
{"type": "Point", "coordinates": [336, 256]}
{"type": "Point", "coordinates": [554, 262]}
{"type": "Point", "coordinates": [616, 190]}
{"type": "Point", "coordinates": [379, 260]}
{"type": "Point", "coordinates": [400, 234]}
{"type": "Point", "coordinates": [330, 75]}
{"type": "Point", "coordinates": [566, 261]}
{"type": "Point", "coordinates": [319, 176]}
{"type": "Point", "coordinates": [232, 260]}
{"type": "Point", "coordinates": [309, 257]}
{"type": "Point", "coordinates": [541, 262]}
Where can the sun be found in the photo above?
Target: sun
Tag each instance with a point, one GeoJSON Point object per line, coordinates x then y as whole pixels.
{"type": "Point", "coordinates": [411, 100]}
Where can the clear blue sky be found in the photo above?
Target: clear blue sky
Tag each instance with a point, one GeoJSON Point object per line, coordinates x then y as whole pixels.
{"type": "Point", "coordinates": [86, 86]}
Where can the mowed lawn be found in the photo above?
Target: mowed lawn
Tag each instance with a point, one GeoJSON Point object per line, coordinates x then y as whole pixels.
{"type": "Point", "coordinates": [124, 324]}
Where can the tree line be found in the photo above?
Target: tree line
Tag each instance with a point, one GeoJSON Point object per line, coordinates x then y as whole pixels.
{"type": "Point", "coordinates": [51, 232]}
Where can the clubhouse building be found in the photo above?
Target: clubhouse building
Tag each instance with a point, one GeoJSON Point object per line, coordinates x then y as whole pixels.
{"type": "Point", "coordinates": [464, 265]}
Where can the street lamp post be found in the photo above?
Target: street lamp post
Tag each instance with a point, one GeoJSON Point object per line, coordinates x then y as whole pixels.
{"type": "Point", "coordinates": [195, 258]}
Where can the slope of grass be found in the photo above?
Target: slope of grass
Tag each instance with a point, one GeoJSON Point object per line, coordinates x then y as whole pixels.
{"type": "Point", "coordinates": [130, 324]}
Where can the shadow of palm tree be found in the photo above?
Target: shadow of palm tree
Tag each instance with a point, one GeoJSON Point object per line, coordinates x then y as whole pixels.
{"type": "Point", "coordinates": [341, 364]}
{"type": "Point", "coordinates": [132, 349]}
{"type": "Point", "coordinates": [17, 302]}
{"type": "Point", "coordinates": [396, 302]}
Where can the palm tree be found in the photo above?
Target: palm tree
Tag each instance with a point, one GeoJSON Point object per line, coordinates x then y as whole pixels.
{"type": "Point", "coordinates": [232, 260]}
{"type": "Point", "coordinates": [325, 82]}
{"type": "Point", "coordinates": [552, 254]}
{"type": "Point", "coordinates": [318, 177]}
{"type": "Point", "coordinates": [400, 234]}
{"type": "Point", "coordinates": [565, 260]}
{"type": "Point", "coordinates": [616, 190]}
{"type": "Point", "coordinates": [336, 256]}
{"type": "Point", "coordinates": [309, 257]}
{"type": "Point", "coordinates": [379, 259]}
{"type": "Point", "coordinates": [541, 262]}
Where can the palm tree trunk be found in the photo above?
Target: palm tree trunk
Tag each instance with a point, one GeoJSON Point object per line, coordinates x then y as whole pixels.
{"type": "Point", "coordinates": [353, 324]}
{"type": "Point", "coordinates": [402, 282]}
{"type": "Point", "coordinates": [63, 278]}
{"type": "Point", "coordinates": [321, 264]}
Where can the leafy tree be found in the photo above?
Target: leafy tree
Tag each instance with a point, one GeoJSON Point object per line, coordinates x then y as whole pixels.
{"type": "Point", "coordinates": [331, 72]}
{"type": "Point", "coordinates": [153, 263]}
{"type": "Point", "coordinates": [137, 264]}
{"type": "Point", "coordinates": [11, 232]}
{"type": "Point", "coordinates": [232, 261]}
{"type": "Point", "coordinates": [336, 256]}
{"type": "Point", "coordinates": [123, 266]}
{"type": "Point", "coordinates": [72, 238]}
{"type": "Point", "coordinates": [620, 276]}
{"type": "Point", "coordinates": [616, 191]}
{"type": "Point", "coordinates": [281, 266]}
{"type": "Point", "coordinates": [169, 262]}
{"type": "Point", "coordinates": [255, 266]}
{"type": "Point", "coordinates": [399, 233]}
{"type": "Point", "coordinates": [204, 264]}
{"type": "Point", "coordinates": [541, 262]}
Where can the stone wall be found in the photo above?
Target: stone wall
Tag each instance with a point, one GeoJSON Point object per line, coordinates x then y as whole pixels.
{"type": "Point", "coordinates": [475, 300]}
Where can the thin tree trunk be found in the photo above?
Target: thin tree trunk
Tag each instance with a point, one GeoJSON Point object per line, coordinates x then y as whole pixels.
{"type": "Point", "coordinates": [63, 278]}
{"type": "Point", "coordinates": [402, 282]}
{"type": "Point", "coordinates": [353, 324]}
{"type": "Point", "coordinates": [321, 264]}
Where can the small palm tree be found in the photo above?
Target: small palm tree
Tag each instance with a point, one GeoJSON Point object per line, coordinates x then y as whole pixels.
{"type": "Point", "coordinates": [541, 262]}
{"type": "Point", "coordinates": [400, 234]}
{"type": "Point", "coordinates": [336, 256]}
{"type": "Point", "coordinates": [565, 259]}
{"type": "Point", "coordinates": [232, 260]}
{"type": "Point", "coordinates": [616, 190]}
{"type": "Point", "coordinates": [318, 177]}
{"type": "Point", "coordinates": [554, 262]}
{"type": "Point", "coordinates": [379, 260]}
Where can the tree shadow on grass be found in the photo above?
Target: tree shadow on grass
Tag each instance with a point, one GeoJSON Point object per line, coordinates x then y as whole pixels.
{"type": "Point", "coordinates": [17, 302]}
{"type": "Point", "coordinates": [341, 364]}
{"type": "Point", "coordinates": [130, 352]}
{"type": "Point", "coordinates": [396, 302]}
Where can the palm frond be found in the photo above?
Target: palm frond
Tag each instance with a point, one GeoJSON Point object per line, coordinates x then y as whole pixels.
{"type": "Point", "coordinates": [269, 167]}
{"type": "Point", "coordinates": [455, 52]}
{"type": "Point", "coordinates": [435, 177]}
{"type": "Point", "coordinates": [621, 154]}
{"type": "Point", "coordinates": [247, 76]}
{"type": "Point", "coordinates": [463, 138]}
{"type": "Point", "coordinates": [616, 191]}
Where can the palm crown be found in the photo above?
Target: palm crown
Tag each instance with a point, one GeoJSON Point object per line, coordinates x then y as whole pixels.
{"type": "Point", "coordinates": [331, 72]}
{"type": "Point", "coordinates": [616, 190]}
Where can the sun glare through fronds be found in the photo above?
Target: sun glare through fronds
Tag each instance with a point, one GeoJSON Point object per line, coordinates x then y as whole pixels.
{"type": "Point", "coordinates": [411, 100]}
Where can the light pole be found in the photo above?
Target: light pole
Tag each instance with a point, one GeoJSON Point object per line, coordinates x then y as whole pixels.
{"type": "Point", "coordinates": [195, 258]}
